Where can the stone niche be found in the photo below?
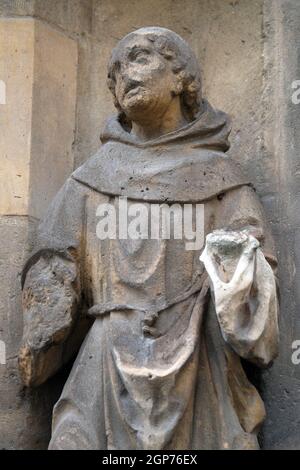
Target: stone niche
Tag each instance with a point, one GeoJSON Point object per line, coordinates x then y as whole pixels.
{"type": "Point", "coordinates": [53, 59]}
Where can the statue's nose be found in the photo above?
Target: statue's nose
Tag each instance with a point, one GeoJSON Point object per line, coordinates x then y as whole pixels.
{"type": "Point", "coordinates": [124, 78]}
{"type": "Point", "coordinates": [129, 71]}
{"type": "Point", "coordinates": [124, 71]}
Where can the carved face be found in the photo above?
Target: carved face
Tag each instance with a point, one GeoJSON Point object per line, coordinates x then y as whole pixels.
{"type": "Point", "coordinates": [145, 82]}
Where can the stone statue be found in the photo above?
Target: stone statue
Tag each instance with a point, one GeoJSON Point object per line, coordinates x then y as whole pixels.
{"type": "Point", "coordinates": [163, 335]}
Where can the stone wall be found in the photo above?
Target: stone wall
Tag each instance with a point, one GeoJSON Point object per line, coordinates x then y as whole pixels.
{"type": "Point", "coordinates": [281, 383]}
{"type": "Point", "coordinates": [38, 65]}
{"type": "Point", "coordinates": [54, 68]}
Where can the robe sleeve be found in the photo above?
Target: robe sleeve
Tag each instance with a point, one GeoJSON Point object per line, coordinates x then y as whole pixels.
{"type": "Point", "coordinates": [247, 308]}
{"type": "Point", "coordinates": [52, 288]}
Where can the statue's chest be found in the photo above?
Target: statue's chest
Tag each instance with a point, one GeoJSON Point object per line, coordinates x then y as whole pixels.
{"type": "Point", "coordinates": [134, 248]}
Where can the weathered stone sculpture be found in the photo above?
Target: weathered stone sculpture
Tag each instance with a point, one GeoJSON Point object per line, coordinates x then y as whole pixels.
{"type": "Point", "coordinates": [160, 367]}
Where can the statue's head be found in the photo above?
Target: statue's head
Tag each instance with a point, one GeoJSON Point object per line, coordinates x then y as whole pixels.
{"type": "Point", "coordinates": [148, 69]}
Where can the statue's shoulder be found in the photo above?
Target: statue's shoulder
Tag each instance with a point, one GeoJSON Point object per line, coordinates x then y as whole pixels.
{"type": "Point", "coordinates": [177, 174]}
{"type": "Point", "coordinates": [219, 168]}
{"type": "Point", "coordinates": [88, 171]}
{"type": "Point", "coordinates": [101, 171]}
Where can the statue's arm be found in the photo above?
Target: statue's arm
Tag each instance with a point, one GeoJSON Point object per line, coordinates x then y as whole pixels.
{"type": "Point", "coordinates": [50, 308]}
{"type": "Point", "coordinates": [51, 289]}
{"type": "Point", "coordinates": [247, 306]}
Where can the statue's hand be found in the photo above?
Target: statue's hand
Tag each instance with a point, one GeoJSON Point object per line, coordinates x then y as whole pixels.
{"type": "Point", "coordinates": [232, 253]}
{"type": "Point", "coordinates": [49, 308]}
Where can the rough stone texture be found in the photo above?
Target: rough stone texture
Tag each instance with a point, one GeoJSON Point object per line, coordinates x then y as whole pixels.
{"type": "Point", "coordinates": [53, 115]}
{"type": "Point", "coordinates": [159, 351]}
{"type": "Point", "coordinates": [25, 416]}
{"type": "Point", "coordinates": [128, 317]}
{"type": "Point", "coordinates": [249, 62]}
{"type": "Point", "coordinates": [39, 67]}
{"type": "Point", "coordinates": [281, 384]}
{"type": "Point", "coordinates": [226, 37]}
{"type": "Point", "coordinates": [16, 64]}
{"type": "Point", "coordinates": [73, 17]}
{"type": "Point", "coordinates": [17, 7]}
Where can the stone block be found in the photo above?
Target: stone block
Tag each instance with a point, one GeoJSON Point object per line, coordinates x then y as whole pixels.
{"type": "Point", "coordinates": [39, 69]}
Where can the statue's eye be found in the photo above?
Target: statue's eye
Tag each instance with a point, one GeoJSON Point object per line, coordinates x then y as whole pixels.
{"type": "Point", "coordinates": [141, 57]}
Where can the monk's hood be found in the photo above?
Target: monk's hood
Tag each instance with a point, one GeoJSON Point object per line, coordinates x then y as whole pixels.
{"type": "Point", "coordinates": [210, 130]}
{"type": "Point", "coordinates": [187, 165]}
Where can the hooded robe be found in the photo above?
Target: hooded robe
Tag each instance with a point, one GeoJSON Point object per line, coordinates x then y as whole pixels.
{"type": "Point", "coordinates": [156, 370]}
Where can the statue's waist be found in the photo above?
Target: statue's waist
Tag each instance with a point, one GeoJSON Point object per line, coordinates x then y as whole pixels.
{"type": "Point", "coordinates": [151, 310]}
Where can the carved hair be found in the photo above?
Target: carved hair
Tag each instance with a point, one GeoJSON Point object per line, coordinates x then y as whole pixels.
{"type": "Point", "coordinates": [184, 63]}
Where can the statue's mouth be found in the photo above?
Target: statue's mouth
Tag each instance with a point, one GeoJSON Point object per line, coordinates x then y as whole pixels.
{"type": "Point", "coordinates": [133, 92]}
{"type": "Point", "coordinates": [132, 87]}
